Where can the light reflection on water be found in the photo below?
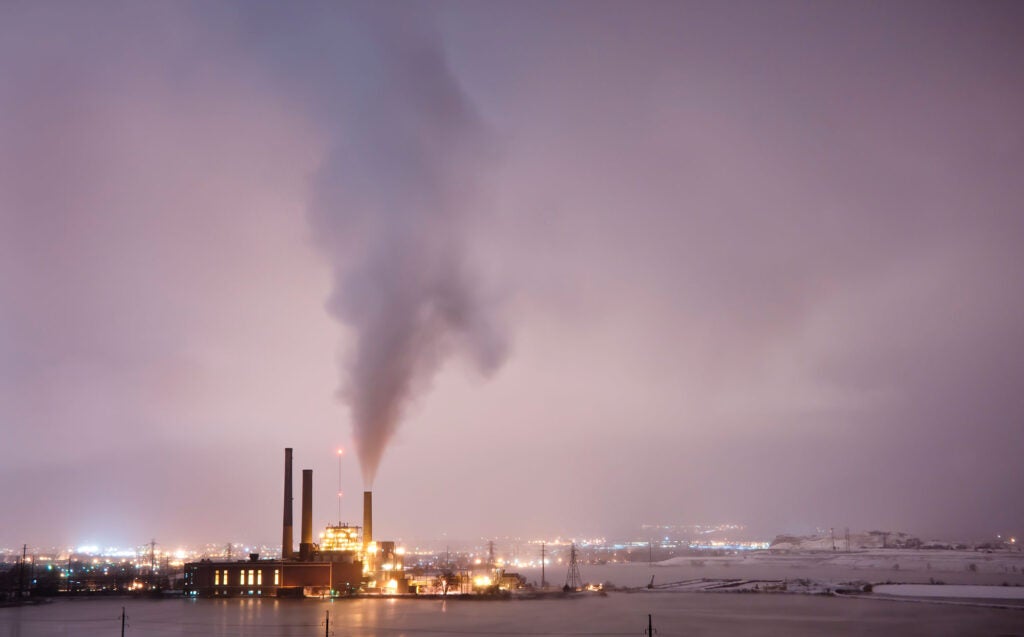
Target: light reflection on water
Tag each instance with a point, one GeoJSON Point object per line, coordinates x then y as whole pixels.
{"type": "Point", "coordinates": [616, 614]}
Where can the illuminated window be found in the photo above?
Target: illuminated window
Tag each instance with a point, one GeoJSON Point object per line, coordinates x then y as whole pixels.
{"type": "Point", "coordinates": [259, 577]}
{"type": "Point", "coordinates": [241, 578]}
{"type": "Point", "coordinates": [216, 578]}
{"type": "Point", "coordinates": [251, 577]}
{"type": "Point", "coordinates": [277, 577]}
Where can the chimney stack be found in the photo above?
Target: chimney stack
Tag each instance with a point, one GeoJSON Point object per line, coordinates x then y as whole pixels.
{"type": "Point", "coordinates": [287, 540]}
{"type": "Point", "coordinates": [368, 557]}
{"type": "Point", "coordinates": [306, 544]}
{"type": "Point", "coordinates": [367, 518]}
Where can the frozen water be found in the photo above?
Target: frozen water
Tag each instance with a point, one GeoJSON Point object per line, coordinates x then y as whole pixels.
{"type": "Point", "coordinates": [956, 590]}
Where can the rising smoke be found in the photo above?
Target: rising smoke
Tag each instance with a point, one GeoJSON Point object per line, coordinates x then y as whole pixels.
{"type": "Point", "coordinates": [390, 207]}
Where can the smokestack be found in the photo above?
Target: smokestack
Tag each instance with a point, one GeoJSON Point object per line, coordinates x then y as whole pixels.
{"type": "Point", "coordinates": [306, 544]}
{"type": "Point", "coordinates": [367, 518]}
{"type": "Point", "coordinates": [287, 540]}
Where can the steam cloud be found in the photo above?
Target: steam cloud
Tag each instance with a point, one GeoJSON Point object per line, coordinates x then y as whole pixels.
{"type": "Point", "coordinates": [390, 206]}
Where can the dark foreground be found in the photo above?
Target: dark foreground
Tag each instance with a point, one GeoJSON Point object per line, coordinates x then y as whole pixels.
{"type": "Point", "coordinates": [617, 614]}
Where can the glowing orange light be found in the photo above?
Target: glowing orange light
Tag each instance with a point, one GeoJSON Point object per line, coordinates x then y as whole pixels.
{"type": "Point", "coordinates": [341, 451]}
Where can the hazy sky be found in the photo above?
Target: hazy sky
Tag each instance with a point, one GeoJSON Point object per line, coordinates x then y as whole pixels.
{"type": "Point", "coordinates": [582, 265]}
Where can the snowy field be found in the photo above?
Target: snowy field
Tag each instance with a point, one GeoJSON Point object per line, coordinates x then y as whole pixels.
{"type": "Point", "coordinates": [873, 566]}
{"type": "Point", "coordinates": [917, 561]}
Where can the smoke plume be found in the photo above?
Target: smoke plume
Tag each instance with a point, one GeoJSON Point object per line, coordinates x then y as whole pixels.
{"type": "Point", "coordinates": [391, 204]}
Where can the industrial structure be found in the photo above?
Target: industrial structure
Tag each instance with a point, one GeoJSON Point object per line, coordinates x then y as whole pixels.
{"type": "Point", "coordinates": [347, 560]}
{"type": "Point", "coordinates": [335, 567]}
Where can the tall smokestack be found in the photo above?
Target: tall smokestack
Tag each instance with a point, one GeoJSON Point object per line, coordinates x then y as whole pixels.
{"type": "Point", "coordinates": [287, 539]}
{"type": "Point", "coordinates": [367, 518]}
{"type": "Point", "coordinates": [306, 544]}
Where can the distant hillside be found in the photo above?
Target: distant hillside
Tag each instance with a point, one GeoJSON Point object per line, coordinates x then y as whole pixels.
{"type": "Point", "coordinates": [862, 540]}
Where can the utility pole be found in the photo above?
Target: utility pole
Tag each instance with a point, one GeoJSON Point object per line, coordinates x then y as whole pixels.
{"type": "Point", "coordinates": [21, 571]}
{"type": "Point", "coordinates": [69, 570]}
{"type": "Point", "coordinates": [327, 624]}
{"type": "Point", "coordinates": [650, 626]}
{"type": "Point", "coordinates": [152, 563]}
{"type": "Point", "coordinates": [543, 582]}
{"type": "Point", "coordinates": [123, 617]}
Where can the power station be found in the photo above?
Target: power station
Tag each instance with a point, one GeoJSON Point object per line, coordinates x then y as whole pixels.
{"type": "Point", "coordinates": [344, 562]}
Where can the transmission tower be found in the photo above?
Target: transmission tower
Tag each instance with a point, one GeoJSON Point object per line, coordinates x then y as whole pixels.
{"type": "Point", "coordinates": [572, 578]}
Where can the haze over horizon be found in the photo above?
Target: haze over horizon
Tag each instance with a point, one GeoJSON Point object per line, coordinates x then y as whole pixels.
{"type": "Point", "coordinates": [619, 262]}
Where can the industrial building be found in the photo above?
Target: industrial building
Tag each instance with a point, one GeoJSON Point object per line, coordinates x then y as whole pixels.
{"type": "Point", "coordinates": [343, 562]}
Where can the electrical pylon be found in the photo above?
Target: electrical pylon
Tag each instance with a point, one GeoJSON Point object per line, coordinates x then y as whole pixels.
{"type": "Point", "coordinates": [572, 578]}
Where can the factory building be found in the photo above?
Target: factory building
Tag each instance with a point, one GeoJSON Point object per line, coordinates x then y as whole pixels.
{"type": "Point", "coordinates": [339, 565]}
{"type": "Point", "coordinates": [271, 578]}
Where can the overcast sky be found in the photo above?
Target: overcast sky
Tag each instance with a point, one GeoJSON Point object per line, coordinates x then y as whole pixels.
{"type": "Point", "coordinates": [556, 267]}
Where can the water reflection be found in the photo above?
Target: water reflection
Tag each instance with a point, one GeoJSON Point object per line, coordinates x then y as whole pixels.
{"type": "Point", "coordinates": [616, 614]}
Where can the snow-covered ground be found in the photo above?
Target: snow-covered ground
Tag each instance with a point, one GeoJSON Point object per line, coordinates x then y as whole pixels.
{"type": "Point", "coordinates": [813, 571]}
{"type": "Point", "coordinates": [951, 591]}
{"type": "Point", "coordinates": [884, 564]}
{"type": "Point", "coordinates": [802, 586]}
